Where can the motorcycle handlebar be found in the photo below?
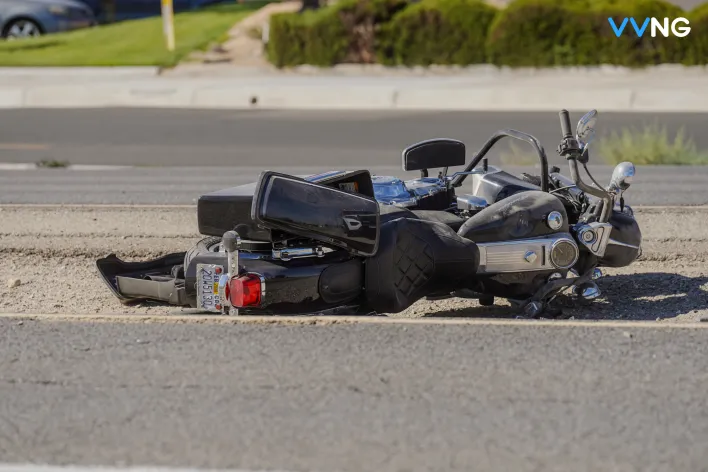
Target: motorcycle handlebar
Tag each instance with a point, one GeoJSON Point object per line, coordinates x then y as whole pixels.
{"type": "Point", "coordinates": [565, 124]}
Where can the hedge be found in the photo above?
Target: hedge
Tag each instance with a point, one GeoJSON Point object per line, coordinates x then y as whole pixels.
{"type": "Point", "coordinates": [577, 32]}
{"type": "Point", "coordinates": [527, 33]}
{"type": "Point", "coordinates": [345, 32]}
{"type": "Point", "coordinates": [698, 53]}
{"type": "Point", "coordinates": [442, 32]}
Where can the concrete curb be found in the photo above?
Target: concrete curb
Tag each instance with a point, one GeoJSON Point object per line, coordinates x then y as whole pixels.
{"type": "Point", "coordinates": [83, 72]}
{"type": "Point", "coordinates": [355, 98]}
{"type": "Point", "coordinates": [663, 90]}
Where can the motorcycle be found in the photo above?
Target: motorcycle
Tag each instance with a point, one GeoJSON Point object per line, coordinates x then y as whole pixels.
{"type": "Point", "coordinates": [347, 242]}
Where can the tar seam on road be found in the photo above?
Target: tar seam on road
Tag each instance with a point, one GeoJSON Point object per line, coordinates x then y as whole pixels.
{"type": "Point", "coordinates": [331, 320]}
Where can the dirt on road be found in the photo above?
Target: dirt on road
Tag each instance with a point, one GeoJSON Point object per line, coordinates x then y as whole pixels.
{"type": "Point", "coordinates": [51, 251]}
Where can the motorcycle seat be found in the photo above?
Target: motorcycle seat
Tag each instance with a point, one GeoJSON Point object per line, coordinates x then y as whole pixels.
{"type": "Point", "coordinates": [415, 258]}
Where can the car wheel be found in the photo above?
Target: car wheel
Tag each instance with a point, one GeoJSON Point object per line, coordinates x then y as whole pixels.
{"type": "Point", "coordinates": [22, 28]}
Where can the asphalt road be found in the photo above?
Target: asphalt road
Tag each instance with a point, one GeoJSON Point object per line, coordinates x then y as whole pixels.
{"type": "Point", "coordinates": [182, 154]}
{"type": "Point", "coordinates": [354, 397]}
{"type": "Point", "coordinates": [197, 138]}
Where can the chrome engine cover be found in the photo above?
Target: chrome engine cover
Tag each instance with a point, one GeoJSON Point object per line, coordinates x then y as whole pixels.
{"type": "Point", "coordinates": [556, 252]}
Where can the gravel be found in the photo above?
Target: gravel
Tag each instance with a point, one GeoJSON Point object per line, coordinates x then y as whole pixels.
{"type": "Point", "coordinates": [52, 251]}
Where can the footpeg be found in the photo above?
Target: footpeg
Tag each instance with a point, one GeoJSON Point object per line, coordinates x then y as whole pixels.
{"type": "Point", "coordinates": [587, 291]}
{"type": "Point", "coordinates": [533, 309]}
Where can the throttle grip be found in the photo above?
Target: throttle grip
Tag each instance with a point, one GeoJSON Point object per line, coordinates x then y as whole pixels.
{"type": "Point", "coordinates": [565, 124]}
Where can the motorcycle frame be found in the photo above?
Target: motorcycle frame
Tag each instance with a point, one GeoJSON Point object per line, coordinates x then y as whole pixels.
{"type": "Point", "coordinates": [498, 136]}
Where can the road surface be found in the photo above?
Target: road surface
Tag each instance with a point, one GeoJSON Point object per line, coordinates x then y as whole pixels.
{"type": "Point", "coordinates": [446, 395]}
{"type": "Point", "coordinates": [182, 154]}
{"type": "Point", "coordinates": [154, 137]}
{"type": "Point", "coordinates": [354, 397]}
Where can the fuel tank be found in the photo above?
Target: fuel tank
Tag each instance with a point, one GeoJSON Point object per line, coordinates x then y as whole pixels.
{"type": "Point", "coordinates": [521, 216]}
{"type": "Point", "coordinates": [496, 185]}
{"type": "Point", "coordinates": [625, 241]}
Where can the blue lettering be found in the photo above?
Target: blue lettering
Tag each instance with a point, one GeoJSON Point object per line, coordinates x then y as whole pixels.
{"type": "Point", "coordinates": [618, 31]}
{"type": "Point", "coordinates": [640, 32]}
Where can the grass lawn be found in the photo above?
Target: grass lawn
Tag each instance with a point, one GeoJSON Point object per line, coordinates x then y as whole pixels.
{"type": "Point", "coordinates": [130, 43]}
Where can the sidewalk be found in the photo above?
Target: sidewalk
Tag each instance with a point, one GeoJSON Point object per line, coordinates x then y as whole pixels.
{"type": "Point", "coordinates": [480, 88]}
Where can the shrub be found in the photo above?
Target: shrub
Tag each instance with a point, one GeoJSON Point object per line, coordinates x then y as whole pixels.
{"type": "Point", "coordinates": [650, 146]}
{"type": "Point", "coordinates": [577, 32]}
{"type": "Point", "coordinates": [345, 32]}
{"type": "Point", "coordinates": [527, 33]}
{"type": "Point", "coordinates": [445, 32]}
{"type": "Point", "coordinates": [313, 37]}
{"type": "Point", "coordinates": [698, 44]}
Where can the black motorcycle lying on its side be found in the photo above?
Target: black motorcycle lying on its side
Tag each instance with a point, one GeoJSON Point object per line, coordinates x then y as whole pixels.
{"type": "Point", "coordinates": [325, 244]}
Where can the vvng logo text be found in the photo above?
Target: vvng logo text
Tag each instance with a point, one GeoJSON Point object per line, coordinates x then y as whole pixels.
{"type": "Point", "coordinates": [666, 27]}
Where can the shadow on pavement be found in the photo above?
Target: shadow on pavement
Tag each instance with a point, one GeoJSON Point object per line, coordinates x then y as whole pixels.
{"type": "Point", "coordinates": [640, 297]}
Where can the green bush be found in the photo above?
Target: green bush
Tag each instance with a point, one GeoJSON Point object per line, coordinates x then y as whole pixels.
{"type": "Point", "coordinates": [698, 43]}
{"type": "Point", "coordinates": [314, 37]}
{"type": "Point", "coordinates": [445, 32]}
{"type": "Point", "coordinates": [527, 33]}
{"type": "Point", "coordinates": [345, 32]}
{"type": "Point", "coordinates": [577, 32]}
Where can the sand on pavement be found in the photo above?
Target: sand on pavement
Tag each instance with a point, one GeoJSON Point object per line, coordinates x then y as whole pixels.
{"type": "Point", "coordinates": [52, 251]}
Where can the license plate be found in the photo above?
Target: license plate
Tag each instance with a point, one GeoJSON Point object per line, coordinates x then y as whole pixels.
{"type": "Point", "coordinates": [208, 287]}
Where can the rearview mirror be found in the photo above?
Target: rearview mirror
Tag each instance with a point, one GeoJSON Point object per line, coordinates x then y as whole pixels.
{"type": "Point", "coordinates": [622, 177]}
{"type": "Point", "coordinates": [327, 214]}
{"type": "Point", "coordinates": [434, 153]}
{"type": "Point", "coordinates": [585, 132]}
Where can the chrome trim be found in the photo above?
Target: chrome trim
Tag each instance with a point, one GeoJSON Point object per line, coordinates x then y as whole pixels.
{"type": "Point", "coordinates": [587, 291]}
{"type": "Point", "coordinates": [510, 256]}
{"type": "Point", "coordinates": [223, 282]}
{"type": "Point", "coordinates": [556, 243]}
{"type": "Point", "coordinates": [554, 220]}
{"type": "Point", "coordinates": [598, 243]}
{"type": "Point", "coordinates": [471, 203]}
{"type": "Point", "coordinates": [233, 270]}
{"type": "Point", "coordinates": [530, 257]}
{"type": "Point", "coordinates": [254, 256]}
{"type": "Point", "coordinates": [289, 253]}
{"type": "Point", "coordinates": [263, 284]}
{"type": "Point", "coordinates": [619, 243]}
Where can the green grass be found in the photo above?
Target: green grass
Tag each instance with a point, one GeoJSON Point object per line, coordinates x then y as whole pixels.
{"type": "Point", "coordinates": [651, 145]}
{"type": "Point", "coordinates": [129, 43]}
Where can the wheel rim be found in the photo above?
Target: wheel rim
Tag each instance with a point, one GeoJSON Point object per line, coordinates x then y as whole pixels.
{"type": "Point", "coordinates": [23, 29]}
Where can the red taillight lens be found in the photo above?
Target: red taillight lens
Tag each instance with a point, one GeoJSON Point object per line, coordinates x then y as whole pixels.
{"type": "Point", "coordinates": [245, 291]}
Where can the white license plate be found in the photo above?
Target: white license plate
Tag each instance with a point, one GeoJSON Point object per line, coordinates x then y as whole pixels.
{"type": "Point", "coordinates": [208, 286]}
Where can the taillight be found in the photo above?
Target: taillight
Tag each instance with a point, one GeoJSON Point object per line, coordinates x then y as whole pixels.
{"type": "Point", "coordinates": [245, 291]}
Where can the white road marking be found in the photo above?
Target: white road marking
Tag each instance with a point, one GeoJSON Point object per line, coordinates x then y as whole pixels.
{"type": "Point", "coordinates": [14, 166]}
{"type": "Point", "coordinates": [72, 468]}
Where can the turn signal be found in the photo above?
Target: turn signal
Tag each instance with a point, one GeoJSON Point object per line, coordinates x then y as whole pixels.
{"type": "Point", "coordinates": [245, 291]}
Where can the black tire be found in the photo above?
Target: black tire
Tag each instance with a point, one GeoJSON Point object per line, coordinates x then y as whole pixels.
{"type": "Point", "coordinates": [209, 244]}
{"type": "Point", "coordinates": [23, 23]}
